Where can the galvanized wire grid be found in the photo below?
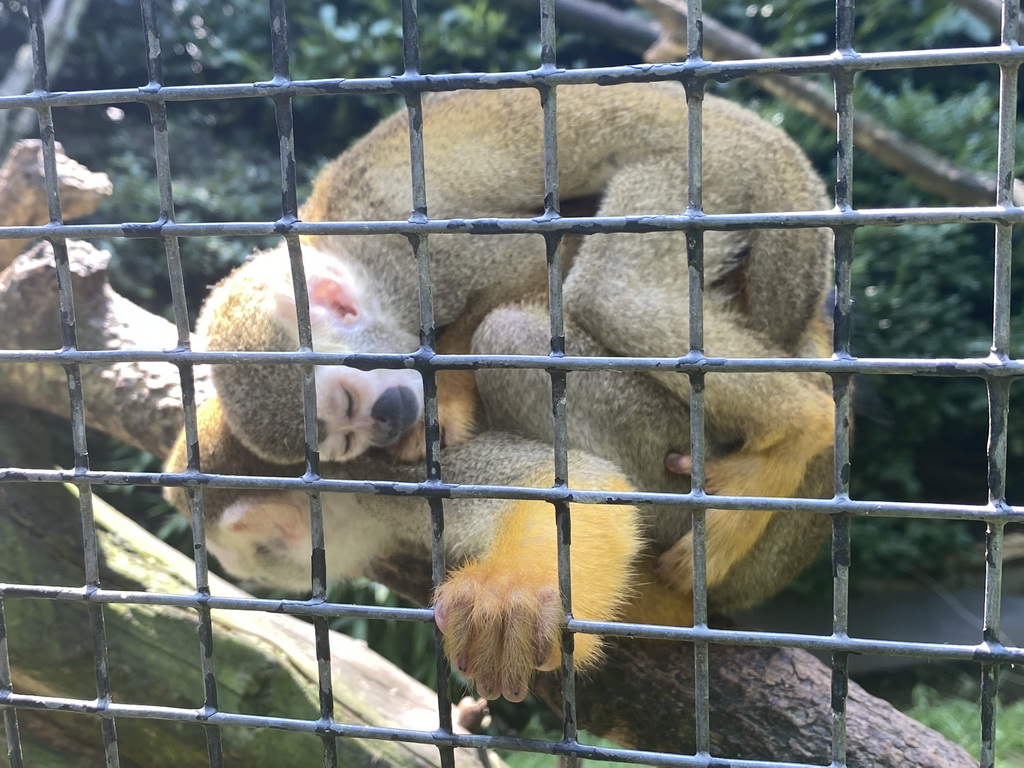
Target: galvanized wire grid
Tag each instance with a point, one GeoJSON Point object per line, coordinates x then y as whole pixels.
{"type": "Point", "coordinates": [998, 370]}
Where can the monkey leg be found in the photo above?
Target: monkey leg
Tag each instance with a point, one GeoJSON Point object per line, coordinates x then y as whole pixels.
{"type": "Point", "coordinates": [731, 535]}
{"type": "Point", "coordinates": [501, 614]}
{"type": "Point", "coordinates": [783, 419]}
{"type": "Point", "coordinates": [794, 424]}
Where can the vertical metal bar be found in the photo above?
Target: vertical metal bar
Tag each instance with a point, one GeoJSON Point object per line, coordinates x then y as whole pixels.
{"type": "Point", "coordinates": [73, 371]}
{"type": "Point", "coordinates": [844, 246]}
{"type": "Point", "coordinates": [999, 388]}
{"type": "Point", "coordinates": [695, 266]}
{"type": "Point", "coordinates": [11, 732]}
{"type": "Point", "coordinates": [158, 118]}
{"type": "Point", "coordinates": [556, 310]}
{"type": "Point", "coordinates": [290, 214]}
{"type": "Point", "coordinates": [414, 105]}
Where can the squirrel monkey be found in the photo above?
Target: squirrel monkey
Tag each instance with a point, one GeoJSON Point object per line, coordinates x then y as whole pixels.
{"type": "Point", "coordinates": [626, 294]}
{"type": "Point", "coordinates": [499, 607]}
{"type": "Point", "coordinates": [622, 145]}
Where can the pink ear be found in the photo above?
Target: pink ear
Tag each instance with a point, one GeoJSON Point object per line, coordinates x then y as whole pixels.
{"type": "Point", "coordinates": [330, 294]}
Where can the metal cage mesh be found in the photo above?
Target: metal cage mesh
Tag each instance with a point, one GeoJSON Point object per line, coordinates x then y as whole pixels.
{"type": "Point", "coordinates": [998, 371]}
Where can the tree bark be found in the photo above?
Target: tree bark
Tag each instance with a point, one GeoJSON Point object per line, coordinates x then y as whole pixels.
{"type": "Point", "coordinates": [265, 663]}
{"type": "Point", "coordinates": [139, 404]}
{"type": "Point", "coordinates": [23, 194]}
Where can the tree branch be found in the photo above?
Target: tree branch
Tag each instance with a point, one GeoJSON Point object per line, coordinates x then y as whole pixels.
{"type": "Point", "coordinates": [925, 168]}
{"type": "Point", "coordinates": [23, 193]}
{"type": "Point", "coordinates": [989, 11]}
{"type": "Point", "coordinates": [60, 28]}
{"type": "Point", "coordinates": [137, 403]}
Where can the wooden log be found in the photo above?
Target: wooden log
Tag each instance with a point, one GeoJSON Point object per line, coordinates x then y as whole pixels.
{"type": "Point", "coordinates": [23, 194]}
{"type": "Point", "coordinates": [139, 404]}
{"type": "Point", "coordinates": [265, 662]}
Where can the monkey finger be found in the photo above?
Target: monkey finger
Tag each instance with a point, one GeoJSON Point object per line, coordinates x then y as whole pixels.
{"type": "Point", "coordinates": [679, 463]}
{"type": "Point", "coordinates": [682, 464]}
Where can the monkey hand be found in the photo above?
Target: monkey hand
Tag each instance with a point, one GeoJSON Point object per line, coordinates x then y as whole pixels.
{"type": "Point", "coordinates": [500, 626]}
{"type": "Point", "coordinates": [730, 534]}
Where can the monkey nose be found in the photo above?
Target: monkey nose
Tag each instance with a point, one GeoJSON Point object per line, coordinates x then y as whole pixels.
{"type": "Point", "coordinates": [395, 412]}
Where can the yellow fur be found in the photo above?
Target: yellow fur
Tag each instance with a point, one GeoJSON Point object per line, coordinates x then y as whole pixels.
{"type": "Point", "coordinates": [508, 598]}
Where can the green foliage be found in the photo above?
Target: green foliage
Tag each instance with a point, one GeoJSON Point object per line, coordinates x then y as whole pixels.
{"type": "Point", "coordinates": [959, 719]}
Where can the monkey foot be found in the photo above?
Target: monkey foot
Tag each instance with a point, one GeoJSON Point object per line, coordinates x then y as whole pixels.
{"type": "Point", "coordinates": [499, 626]}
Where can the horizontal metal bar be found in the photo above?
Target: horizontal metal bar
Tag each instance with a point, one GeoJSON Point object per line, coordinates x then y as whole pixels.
{"type": "Point", "coordinates": [688, 501]}
{"type": "Point", "coordinates": [199, 600]}
{"type": "Point", "coordinates": [986, 652]}
{"type": "Point", "coordinates": [988, 367]}
{"type": "Point", "coordinates": [587, 225]}
{"type": "Point", "coordinates": [323, 728]}
{"type": "Point", "coordinates": [404, 83]}
{"type": "Point", "coordinates": [823, 643]}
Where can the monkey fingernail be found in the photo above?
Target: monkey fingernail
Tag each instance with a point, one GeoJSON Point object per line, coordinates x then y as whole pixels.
{"type": "Point", "coordinates": [679, 464]}
{"type": "Point", "coordinates": [487, 691]}
{"type": "Point", "coordinates": [514, 692]}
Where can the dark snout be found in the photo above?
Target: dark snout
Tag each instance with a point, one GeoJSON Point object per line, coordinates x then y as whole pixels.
{"type": "Point", "coordinates": [395, 412]}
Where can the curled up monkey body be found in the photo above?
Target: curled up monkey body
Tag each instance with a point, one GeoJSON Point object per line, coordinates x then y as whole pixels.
{"type": "Point", "coordinates": [625, 295]}
{"type": "Point", "coordinates": [499, 607]}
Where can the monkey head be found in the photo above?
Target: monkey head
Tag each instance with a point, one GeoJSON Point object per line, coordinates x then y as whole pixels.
{"type": "Point", "coordinates": [253, 309]}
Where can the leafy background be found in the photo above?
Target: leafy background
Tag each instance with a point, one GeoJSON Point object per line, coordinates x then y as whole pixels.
{"type": "Point", "coordinates": [919, 291]}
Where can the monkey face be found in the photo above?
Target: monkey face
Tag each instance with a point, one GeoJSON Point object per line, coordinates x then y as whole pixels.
{"type": "Point", "coordinates": [254, 309]}
{"type": "Point", "coordinates": [357, 410]}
